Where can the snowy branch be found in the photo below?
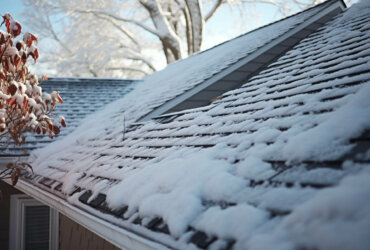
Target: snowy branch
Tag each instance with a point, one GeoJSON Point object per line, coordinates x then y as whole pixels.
{"type": "Point", "coordinates": [213, 10]}
{"type": "Point", "coordinates": [119, 18]}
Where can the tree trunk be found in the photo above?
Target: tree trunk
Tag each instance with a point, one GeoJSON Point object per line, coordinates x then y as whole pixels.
{"type": "Point", "coordinates": [197, 23]}
{"type": "Point", "coordinates": [170, 41]}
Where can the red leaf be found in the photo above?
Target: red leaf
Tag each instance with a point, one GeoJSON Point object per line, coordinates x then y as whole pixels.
{"type": "Point", "coordinates": [19, 45]}
{"type": "Point", "coordinates": [15, 176]}
{"type": "Point", "coordinates": [25, 102]}
{"type": "Point", "coordinates": [56, 130]}
{"type": "Point", "coordinates": [17, 59]}
{"type": "Point", "coordinates": [12, 102]}
{"type": "Point", "coordinates": [17, 31]}
{"type": "Point", "coordinates": [12, 26]}
{"type": "Point", "coordinates": [63, 122]}
{"type": "Point", "coordinates": [24, 58]}
{"type": "Point", "coordinates": [7, 17]}
{"type": "Point", "coordinates": [23, 76]}
{"type": "Point", "coordinates": [59, 98]}
{"type": "Point", "coordinates": [12, 89]}
{"type": "Point", "coordinates": [34, 54]}
{"type": "Point", "coordinates": [28, 38]}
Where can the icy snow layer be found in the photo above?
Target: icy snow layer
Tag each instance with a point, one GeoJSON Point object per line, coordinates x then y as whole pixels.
{"type": "Point", "coordinates": [336, 218]}
{"type": "Point", "coordinates": [329, 140]}
{"type": "Point", "coordinates": [251, 185]}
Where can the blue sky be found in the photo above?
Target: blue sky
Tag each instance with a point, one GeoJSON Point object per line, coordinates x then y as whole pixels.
{"type": "Point", "coordinates": [14, 7]}
{"type": "Point", "coordinates": [224, 25]}
{"type": "Point", "coordinates": [226, 20]}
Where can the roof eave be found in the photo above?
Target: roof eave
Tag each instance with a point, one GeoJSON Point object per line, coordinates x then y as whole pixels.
{"type": "Point", "coordinates": [116, 235]}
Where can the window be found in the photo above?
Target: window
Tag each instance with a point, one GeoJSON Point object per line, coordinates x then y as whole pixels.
{"type": "Point", "coordinates": [32, 224]}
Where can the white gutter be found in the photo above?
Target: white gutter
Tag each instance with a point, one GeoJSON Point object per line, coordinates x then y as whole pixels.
{"type": "Point", "coordinates": [112, 233]}
{"type": "Point", "coordinates": [179, 99]}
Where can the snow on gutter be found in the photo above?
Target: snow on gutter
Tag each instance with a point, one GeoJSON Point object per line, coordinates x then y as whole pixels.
{"type": "Point", "coordinates": [114, 234]}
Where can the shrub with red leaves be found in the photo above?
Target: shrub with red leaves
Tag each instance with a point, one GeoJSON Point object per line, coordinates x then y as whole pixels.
{"type": "Point", "coordinates": [23, 107]}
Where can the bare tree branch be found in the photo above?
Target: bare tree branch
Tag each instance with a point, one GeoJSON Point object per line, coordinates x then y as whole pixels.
{"type": "Point", "coordinates": [175, 25]}
{"type": "Point", "coordinates": [170, 41]}
{"type": "Point", "coordinates": [55, 36]}
{"type": "Point", "coordinates": [213, 10]}
{"type": "Point", "coordinates": [122, 29]}
{"type": "Point", "coordinates": [119, 18]}
{"type": "Point", "coordinates": [145, 61]}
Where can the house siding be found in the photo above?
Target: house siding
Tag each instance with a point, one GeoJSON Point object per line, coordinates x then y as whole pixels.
{"type": "Point", "coordinates": [6, 190]}
{"type": "Point", "coordinates": [74, 236]}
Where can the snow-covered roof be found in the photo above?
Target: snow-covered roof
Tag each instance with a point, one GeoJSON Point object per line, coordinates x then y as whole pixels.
{"type": "Point", "coordinates": [82, 96]}
{"type": "Point", "coordinates": [279, 163]}
{"type": "Point", "coordinates": [205, 76]}
{"type": "Point", "coordinates": [179, 77]}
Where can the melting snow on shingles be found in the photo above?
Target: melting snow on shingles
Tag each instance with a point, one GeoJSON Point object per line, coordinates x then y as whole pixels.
{"type": "Point", "coordinates": [330, 139]}
{"type": "Point", "coordinates": [180, 183]}
{"type": "Point", "coordinates": [178, 186]}
{"type": "Point", "coordinates": [175, 79]}
{"type": "Point", "coordinates": [336, 218]}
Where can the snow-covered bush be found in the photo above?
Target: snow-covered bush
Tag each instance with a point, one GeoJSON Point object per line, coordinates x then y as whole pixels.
{"type": "Point", "coordinates": [23, 108]}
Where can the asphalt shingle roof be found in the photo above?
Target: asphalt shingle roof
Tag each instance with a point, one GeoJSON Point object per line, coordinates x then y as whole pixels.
{"type": "Point", "coordinates": [240, 172]}
{"type": "Point", "coordinates": [82, 97]}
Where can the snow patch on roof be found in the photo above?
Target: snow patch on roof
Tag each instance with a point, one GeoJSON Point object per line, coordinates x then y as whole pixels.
{"type": "Point", "coordinates": [237, 222]}
{"type": "Point", "coordinates": [174, 80]}
{"type": "Point", "coordinates": [336, 218]}
{"type": "Point", "coordinates": [330, 139]}
{"type": "Point", "coordinates": [179, 183]}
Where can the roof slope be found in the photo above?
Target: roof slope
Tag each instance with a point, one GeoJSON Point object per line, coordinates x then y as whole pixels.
{"type": "Point", "coordinates": [278, 163]}
{"type": "Point", "coordinates": [255, 51]}
{"type": "Point", "coordinates": [82, 96]}
{"type": "Point", "coordinates": [185, 74]}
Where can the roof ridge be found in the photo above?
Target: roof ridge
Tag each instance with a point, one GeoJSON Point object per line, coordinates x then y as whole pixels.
{"type": "Point", "coordinates": [269, 24]}
{"type": "Point", "coordinates": [86, 79]}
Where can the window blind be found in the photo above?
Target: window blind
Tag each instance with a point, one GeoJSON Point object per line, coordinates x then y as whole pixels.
{"type": "Point", "coordinates": [37, 223]}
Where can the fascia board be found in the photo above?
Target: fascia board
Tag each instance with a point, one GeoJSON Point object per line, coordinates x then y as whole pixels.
{"type": "Point", "coordinates": [116, 235]}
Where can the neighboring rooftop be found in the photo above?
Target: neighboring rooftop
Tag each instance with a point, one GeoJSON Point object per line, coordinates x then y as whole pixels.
{"type": "Point", "coordinates": [82, 96]}
{"type": "Point", "coordinates": [281, 162]}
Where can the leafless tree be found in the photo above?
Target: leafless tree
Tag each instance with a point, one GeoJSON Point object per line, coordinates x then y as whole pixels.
{"type": "Point", "coordinates": [119, 38]}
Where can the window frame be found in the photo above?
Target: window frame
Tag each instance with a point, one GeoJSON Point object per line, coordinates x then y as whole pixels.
{"type": "Point", "coordinates": [18, 204]}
